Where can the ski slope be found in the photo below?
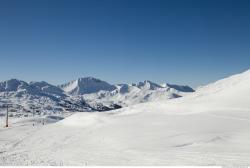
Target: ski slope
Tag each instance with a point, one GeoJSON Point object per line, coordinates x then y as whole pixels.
{"type": "Point", "coordinates": [208, 127]}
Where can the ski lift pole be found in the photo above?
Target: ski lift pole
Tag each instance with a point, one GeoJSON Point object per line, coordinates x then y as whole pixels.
{"type": "Point", "coordinates": [7, 116]}
{"type": "Point", "coordinates": [33, 112]}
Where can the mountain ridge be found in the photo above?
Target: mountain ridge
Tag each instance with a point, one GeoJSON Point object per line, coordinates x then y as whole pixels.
{"type": "Point", "coordinates": [83, 93]}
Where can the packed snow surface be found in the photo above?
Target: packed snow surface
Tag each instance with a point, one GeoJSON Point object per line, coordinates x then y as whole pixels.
{"type": "Point", "coordinates": [208, 127]}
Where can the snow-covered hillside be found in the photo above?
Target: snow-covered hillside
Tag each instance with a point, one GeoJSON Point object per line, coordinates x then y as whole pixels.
{"type": "Point", "coordinates": [231, 93]}
{"type": "Point", "coordinates": [208, 127]}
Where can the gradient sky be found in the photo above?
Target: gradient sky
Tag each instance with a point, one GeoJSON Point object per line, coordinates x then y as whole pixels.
{"type": "Point", "coordinates": [190, 42]}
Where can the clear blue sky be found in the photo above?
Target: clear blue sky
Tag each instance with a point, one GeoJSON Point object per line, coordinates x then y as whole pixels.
{"type": "Point", "coordinates": [189, 42]}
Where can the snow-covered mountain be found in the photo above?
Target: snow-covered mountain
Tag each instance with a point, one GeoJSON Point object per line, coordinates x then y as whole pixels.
{"type": "Point", "coordinates": [19, 88]}
{"type": "Point", "coordinates": [146, 91]}
{"type": "Point", "coordinates": [48, 88]}
{"type": "Point", "coordinates": [180, 88]}
{"type": "Point", "coordinates": [39, 94]}
{"type": "Point", "coordinates": [86, 85]}
{"type": "Point", "coordinates": [148, 85]}
{"type": "Point", "coordinates": [84, 94]}
{"type": "Point", "coordinates": [209, 127]}
{"type": "Point", "coordinates": [95, 92]}
{"type": "Point", "coordinates": [15, 85]}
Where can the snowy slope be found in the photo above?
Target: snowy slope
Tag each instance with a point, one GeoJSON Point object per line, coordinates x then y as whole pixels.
{"type": "Point", "coordinates": [207, 127]}
{"type": "Point", "coordinates": [229, 93]}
